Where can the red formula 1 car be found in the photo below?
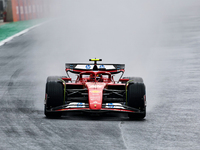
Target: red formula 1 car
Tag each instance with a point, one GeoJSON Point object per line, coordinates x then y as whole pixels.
{"type": "Point", "coordinates": [95, 91]}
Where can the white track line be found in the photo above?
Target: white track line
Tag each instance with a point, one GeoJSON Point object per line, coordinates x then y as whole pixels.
{"type": "Point", "coordinates": [18, 34]}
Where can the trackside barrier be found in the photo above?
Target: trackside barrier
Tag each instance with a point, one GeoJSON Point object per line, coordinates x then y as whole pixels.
{"type": "Point", "coordinates": [29, 9]}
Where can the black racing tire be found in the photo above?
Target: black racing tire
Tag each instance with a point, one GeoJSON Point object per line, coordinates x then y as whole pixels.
{"type": "Point", "coordinates": [135, 79]}
{"type": "Point", "coordinates": [135, 99]}
{"type": "Point", "coordinates": [51, 114]}
{"type": "Point", "coordinates": [54, 98]}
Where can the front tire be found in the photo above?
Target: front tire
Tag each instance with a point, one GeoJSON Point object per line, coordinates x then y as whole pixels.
{"type": "Point", "coordinates": [51, 114]}
{"type": "Point", "coordinates": [136, 99]}
{"type": "Point", "coordinates": [54, 98]}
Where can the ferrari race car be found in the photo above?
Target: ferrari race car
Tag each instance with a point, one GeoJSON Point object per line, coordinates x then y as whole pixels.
{"type": "Point", "coordinates": [95, 91]}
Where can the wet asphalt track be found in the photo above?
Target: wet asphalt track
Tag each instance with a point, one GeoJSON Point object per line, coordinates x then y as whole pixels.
{"type": "Point", "coordinates": [171, 123]}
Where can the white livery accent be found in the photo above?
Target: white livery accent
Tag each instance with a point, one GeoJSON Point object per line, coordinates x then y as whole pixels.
{"type": "Point", "coordinates": [76, 105]}
{"type": "Point", "coordinates": [91, 66]}
{"type": "Point", "coordinates": [106, 66]}
{"type": "Point", "coordinates": [84, 67]}
{"type": "Point", "coordinates": [114, 105]}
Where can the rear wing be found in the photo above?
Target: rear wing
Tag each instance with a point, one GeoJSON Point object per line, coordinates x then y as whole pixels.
{"type": "Point", "coordinates": [80, 67]}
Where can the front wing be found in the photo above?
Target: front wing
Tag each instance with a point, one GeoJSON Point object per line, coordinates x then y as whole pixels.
{"type": "Point", "coordinates": [106, 107]}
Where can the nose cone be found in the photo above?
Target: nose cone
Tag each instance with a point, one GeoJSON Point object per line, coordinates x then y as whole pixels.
{"type": "Point", "coordinates": [95, 99]}
{"type": "Point", "coordinates": [95, 95]}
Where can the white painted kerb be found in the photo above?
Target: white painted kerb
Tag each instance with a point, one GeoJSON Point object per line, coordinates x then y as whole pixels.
{"type": "Point", "coordinates": [18, 34]}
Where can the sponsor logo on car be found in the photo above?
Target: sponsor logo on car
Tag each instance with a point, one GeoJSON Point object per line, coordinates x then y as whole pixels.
{"type": "Point", "coordinates": [101, 66]}
{"type": "Point", "coordinates": [110, 105]}
{"type": "Point", "coordinates": [114, 105]}
{"type": "Point", "coordinates": [96, 86]}
{"type": "Point", "coordinates": [87, 66]}
{"type": "Point", "coordinates": [80, 105]}
{"type": "Point", "coordinates": [95, 91]}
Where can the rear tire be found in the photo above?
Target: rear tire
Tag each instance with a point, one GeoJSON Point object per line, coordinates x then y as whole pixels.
{"type": "Point", "coordinates": [135, 98]}
{"type": "Point", "coordinates": [54, 98]}
{"type": "Point", "coordinates": [55, 78]}
{"type": "Point", "coordinates": [135, 79]}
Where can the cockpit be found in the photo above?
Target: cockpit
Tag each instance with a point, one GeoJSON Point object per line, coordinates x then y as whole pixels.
{"type": "Point", "coordinates": [90, 76]}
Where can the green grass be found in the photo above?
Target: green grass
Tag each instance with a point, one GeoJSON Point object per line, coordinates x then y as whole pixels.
{"type": "Point", "coordinates": [13, 28]}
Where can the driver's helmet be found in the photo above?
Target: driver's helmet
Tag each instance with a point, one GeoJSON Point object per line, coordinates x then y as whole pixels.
{"type": "Point", "coordinates": [98, 77]}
